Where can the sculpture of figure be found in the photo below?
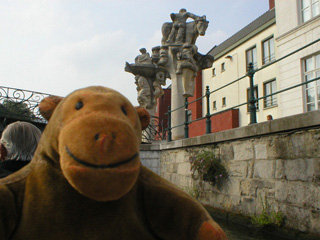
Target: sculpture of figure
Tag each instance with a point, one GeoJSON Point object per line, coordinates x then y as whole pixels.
{"type": "Point", "coordinates": [155, 54]}
{"type": "Point", "coordinates": [204, 61]}
{"type": "Point", "coordinates": [163, 56]}
{"type": "Point", "coordinates": [149, 76]}
{"type": "Point", "coordinates": [143, 58]}
{"type": "Point", "coordinates": [177, 59]}
{"type": "Point", "coordinates": [158, 91]}
{"type": "Point", "coordinates": [136, 78]}
{"type": "Point", "coordinates": [178, 29]}
{"type": "Point", "coordinates": [144, 91]}
{"type": "Point", "coordinates": [161, 77]}
{"type": "Point", "coordinates": [186, 60]}
{"type": "Point", "coordinates": [193, 30]}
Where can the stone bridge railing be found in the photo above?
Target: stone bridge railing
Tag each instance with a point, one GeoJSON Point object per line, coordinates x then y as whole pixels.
{"type": "Point", "coordinates": [274, 163]}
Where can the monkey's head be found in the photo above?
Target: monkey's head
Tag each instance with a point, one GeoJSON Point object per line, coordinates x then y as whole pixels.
{"type": "Point", "coordinates": [95, 134]}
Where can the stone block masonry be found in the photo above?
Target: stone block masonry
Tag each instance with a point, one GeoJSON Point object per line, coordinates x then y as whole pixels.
{"type": "Point", "coordinates": [150, 155]}
{"type": "Point", "coordinates": [275, 163]}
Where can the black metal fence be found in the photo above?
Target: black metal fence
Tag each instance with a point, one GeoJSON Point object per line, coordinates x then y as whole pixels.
{"type": "Point", "coordinates": [21, 104]}
{"type": "Point", "coordinates": [155, 132]}
{"type": "Point", "coordinates": [251, 101]}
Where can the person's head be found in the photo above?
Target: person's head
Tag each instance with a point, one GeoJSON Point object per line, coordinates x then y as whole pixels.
{"type": "Point", "coordinates": [155, 49]}
{"type": "Point", "coordinates": [143, 50]}
{"type": "Point", "coordinates": [269, 117]}
{"type": "Point", "coordinates": [19, 141]}
{"type": "Point", "coordinates": [182, 10]}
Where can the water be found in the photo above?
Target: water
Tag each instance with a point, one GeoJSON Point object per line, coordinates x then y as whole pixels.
{"type": "Point", "coordinates": [238, 232]}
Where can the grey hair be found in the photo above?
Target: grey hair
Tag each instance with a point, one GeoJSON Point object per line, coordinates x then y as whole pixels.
{"type": "Point", "coordinates": [20, 140]}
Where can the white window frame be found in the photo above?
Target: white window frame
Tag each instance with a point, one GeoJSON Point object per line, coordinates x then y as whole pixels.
{"type": "Point", "coordinates": [311, 90]}
{"type": "Point", "coordinates": [312, 9]}
{"type": "Point", "coordinates": [270, 101]}
{"type": "Point", "coordinates": [214, 105]}
{"type": "Point", "coordinates": [223, 67]}
{"type": "Point", "coordinates": [189, 115]}
{"type": "Point", "coordinates": [224, 102]}
{"type": "Point", "coordinates": [270, 56]}
{"type": "Point", "coordinates": [254, 61]}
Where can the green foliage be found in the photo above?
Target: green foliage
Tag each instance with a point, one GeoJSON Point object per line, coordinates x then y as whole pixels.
{"type": "Point", "coordinates": [207, 166]}
{"type": "Point", "coordinates": [194, 191]}
{"type": "Point", "coordinates": [267, 217]}
{"type": "Point", "coordinates": [277, 218]}
{"type": "Point", "coordinates": [18, 110]}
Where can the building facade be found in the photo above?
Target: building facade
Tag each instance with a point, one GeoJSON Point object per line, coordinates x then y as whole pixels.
{"type": "Point", "coordinates": [254, 43]}
{"type": "Point", "coordinates": [286, 27]}
{"type": "Point", "coordinates": [298, 24]}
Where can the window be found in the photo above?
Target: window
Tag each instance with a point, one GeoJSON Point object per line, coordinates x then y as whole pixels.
{"type": "Point", "coordinates": [268, 51]}
{"type": "Point", "coordinates": [224, 102]}
{"type": "Point", "coordinates": [189, 115]}
{"type": "Point", "coordinates": [269, 88]}
{"type": "Point", "coordinates": [251, 56]}
{"type": "Point", "coordinates": [214, 105]}
{"type": "Point", "coordinates": [312, 90]}
{"type": "Point", "coordinates": [309, 9]}
{"type": "Point", "coordinates": [223, 67]}
{"type": "Point", "coordinates": [213, 71]}
{"type": "Point", "coordinates": [255, 93]}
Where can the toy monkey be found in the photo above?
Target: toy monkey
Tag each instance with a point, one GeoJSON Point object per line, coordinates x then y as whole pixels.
{"type": "Point", "coordinates": [86, 180]}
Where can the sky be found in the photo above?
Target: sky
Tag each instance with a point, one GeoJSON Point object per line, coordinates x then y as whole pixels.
{"type": "Point", "coordinates": [58, 46]}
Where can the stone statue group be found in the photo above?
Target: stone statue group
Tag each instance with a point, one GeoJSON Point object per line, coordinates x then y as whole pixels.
{"type": "Point", "coordinates": [177, 58]}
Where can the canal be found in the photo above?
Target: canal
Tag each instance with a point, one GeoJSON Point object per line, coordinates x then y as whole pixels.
{"type": "Point", "coordinates": [239, 232]}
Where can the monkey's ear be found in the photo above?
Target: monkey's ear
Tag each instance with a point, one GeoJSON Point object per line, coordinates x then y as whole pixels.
{"type": "Point", "coordinates": [144, 117]}
{"type": "Point", "coordinates": [47, 106]}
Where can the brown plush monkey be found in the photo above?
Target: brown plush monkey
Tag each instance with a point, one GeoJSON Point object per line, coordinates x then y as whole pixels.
{"type": "Point", "coordinates": [86, 180]}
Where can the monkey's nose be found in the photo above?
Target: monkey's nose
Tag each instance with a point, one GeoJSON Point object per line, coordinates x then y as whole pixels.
{"type": "Point", "coordinates": [103, 136]}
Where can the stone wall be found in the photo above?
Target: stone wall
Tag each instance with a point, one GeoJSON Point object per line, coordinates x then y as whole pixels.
{"type": "Point", "coordinates": [276, 163]}
{"type": "Point", "coordinates": [150, 157]}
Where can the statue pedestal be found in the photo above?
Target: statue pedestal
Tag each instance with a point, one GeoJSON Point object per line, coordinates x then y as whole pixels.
{"type": "Point", "coordinates": [177, 98]}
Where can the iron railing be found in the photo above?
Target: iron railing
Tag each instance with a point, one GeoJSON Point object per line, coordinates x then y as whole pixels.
{"type": "Point", "coordinates": [21, 104]}
{"type": "Point", "coordinates": [251, 102]}
{"type": "Point", "coordinates": [156, 130]}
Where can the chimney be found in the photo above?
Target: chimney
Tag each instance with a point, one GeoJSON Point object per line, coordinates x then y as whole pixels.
{"type": "Point", "coordinates": [271, 4]}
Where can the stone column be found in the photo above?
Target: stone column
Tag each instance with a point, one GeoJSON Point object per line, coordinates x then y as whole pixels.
{"type": "Point", "coordinates": [177, 99]}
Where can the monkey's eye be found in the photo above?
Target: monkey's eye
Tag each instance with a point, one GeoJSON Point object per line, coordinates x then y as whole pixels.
{"type": "Point", "coordinates": [123, 109]}
{"type": "Point", "coordinates": [79, 105]}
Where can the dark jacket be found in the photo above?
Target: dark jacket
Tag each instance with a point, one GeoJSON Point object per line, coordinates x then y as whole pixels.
{"type": "Point", "coordinates": [10, 166]}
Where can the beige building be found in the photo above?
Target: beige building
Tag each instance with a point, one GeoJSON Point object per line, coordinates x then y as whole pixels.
{"type": "Point", "coordinates": [254, 43]}
{"type": "Point", "coordinates": [298, 24]}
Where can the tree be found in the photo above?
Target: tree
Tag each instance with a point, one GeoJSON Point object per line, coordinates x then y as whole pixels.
{"type": "Point", "coordinates": [18, 110]}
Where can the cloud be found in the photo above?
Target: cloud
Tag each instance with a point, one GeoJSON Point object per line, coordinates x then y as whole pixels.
{"type": "Point", "coordinates": [58, 46]}
{"type": "Point", "coordinates": [154, 40]}
{"type": "Point", "coordinates": [98, 60]}
{"type": "Point", "coordinates": [46, 49]}
{"type": "Point", "coordinates": [207, 42]}
{"type": "Point", "coordinates": [24, 17]}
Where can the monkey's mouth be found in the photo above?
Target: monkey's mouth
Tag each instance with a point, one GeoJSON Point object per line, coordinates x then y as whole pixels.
{"type": "Point", "coordinates": [100, 166]}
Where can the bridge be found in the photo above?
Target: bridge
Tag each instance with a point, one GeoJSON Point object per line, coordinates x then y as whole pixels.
{"type": "Point", "coordinates": [20, 105]}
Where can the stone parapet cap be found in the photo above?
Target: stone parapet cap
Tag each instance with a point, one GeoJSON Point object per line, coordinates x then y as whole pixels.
{"type": "Point", "coordinates": [286, 124]}
{"type": "Point", "coordinates": [150, 147]}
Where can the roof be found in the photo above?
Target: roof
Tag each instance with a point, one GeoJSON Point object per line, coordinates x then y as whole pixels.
{"type": "Point", "coordinates": [245, 33]}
